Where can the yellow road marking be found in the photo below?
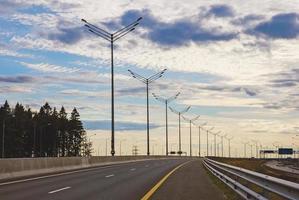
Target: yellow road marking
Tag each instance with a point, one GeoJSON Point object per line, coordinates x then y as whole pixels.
{"type": "Point", "coordinates": [153, 190]}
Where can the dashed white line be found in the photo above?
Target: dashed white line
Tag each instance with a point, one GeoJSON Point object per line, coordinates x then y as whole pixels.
{"type": "Point", "coordinates": [54, 191]}
{"type": "Point", "coordinates": [133, 169]}
{"type": "Point", "coordinates": [108, 176]}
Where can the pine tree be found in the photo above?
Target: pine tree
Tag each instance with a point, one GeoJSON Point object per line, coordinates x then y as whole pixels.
{"type": "Point", "coordinates": [77, 135]}
{"type": "Point", "coordinates": [44, 133]}
{"type": "Point", "coordinates": [62, 127]}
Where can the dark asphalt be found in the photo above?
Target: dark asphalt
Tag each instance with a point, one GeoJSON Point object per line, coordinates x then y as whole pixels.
{"type": "Point", "coordinates": [189, 182]}
{"type": "Point", "coordinates": [125, 181]}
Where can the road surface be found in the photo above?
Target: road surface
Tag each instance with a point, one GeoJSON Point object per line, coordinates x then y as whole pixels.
{"type": "Point", "coordinates": [124, 181]}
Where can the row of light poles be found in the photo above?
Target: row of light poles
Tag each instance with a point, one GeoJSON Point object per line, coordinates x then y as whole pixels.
{"type": "Point", "coordinates": [112, 38]}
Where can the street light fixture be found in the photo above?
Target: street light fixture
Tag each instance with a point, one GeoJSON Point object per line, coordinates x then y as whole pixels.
{"type": "Point", "coordinates": [111, 37]}
{"type": "Point", "coordinates": [179, 113]}
{"type": "Point", "coordinates": [199, 142]}
{"type": "Point", "coordinates": [166, 101]}
{"type": "Point", "coordinates": [147, 81]}
{"type": "Point", "coordinates": [190, 123]}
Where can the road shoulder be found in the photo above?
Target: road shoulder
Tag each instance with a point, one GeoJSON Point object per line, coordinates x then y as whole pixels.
{"type": "Point", "coordinates": [190, 182]}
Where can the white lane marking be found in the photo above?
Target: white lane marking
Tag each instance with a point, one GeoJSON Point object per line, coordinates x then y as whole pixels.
{"type": "Point", "coordinates": [108, 176]}
{"type": "Point", "coordinates": [133, 169]}
{"type": "Point", "coordinates": [54, 191]}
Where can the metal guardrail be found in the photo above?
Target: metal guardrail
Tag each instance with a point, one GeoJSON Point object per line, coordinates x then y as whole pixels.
{"type": "Point", "coordinates": [287, 189]}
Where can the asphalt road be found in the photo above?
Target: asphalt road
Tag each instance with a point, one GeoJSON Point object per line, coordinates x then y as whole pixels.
{"type": "Point", "coordinates": [124, 181]}
{"type": "Point", "coordinates": [189, 182]}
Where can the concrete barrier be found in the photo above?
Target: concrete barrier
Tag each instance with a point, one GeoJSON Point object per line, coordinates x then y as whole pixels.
{"type": "Point", "coordinates": [20, 167]}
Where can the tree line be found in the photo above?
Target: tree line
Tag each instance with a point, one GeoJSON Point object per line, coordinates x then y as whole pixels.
{"type": "Point", "coordinates": [46, 133]}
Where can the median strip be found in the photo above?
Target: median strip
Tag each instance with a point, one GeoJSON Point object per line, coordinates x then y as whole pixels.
{"type": "Point", "coordinates": [61, 189]}
{"type": "Point", "coordinates": [153, 190]}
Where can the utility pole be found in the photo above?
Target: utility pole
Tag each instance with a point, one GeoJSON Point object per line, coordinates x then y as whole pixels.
{"type": "Point", "coordinates": [147, 81]}
{"type": "Point", "coordinates": [112, 38]}
{"type": "Point", "coordinates": [166, 101]}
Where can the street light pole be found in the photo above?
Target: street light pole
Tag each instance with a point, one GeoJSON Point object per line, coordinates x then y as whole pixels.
{"type": "Point", "coordinates": [190, 123]}
{"type": "Point", "coordinates": [215, 134]}
{"type": "Point", "coordinates": [208, 139]}
{"type": "Point", "coordinates": [199, 142]}
{"type": "Point", "coordinates": [256, 147]}
{"type": "Point", "coordinates": [222, 144]}
{"type": "Point", "coordinates": [120, 146]}
{"type": "Point", "coordinates": [166, 101]}
{"type": "Point", "coordinates": [179, 113]}
{"type": "Point", "coordinates": [147, 81]}
{"type": "Point", "coordinates": [111, 37]}
{"type": "Point", "coordinates": [245, 143]}
{"type": "Point", "coordinates": [229, 139]}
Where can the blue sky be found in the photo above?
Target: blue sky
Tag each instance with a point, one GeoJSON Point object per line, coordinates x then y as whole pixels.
{"type": "Point", "coordinates": [235, 64]}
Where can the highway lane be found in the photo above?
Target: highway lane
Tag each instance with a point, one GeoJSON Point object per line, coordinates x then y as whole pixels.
{"type": "Point", "coordinates": [125, 181]}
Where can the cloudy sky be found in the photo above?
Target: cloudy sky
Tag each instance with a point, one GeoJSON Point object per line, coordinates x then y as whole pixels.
{"type": "Point", "coordinates": [236, 64]}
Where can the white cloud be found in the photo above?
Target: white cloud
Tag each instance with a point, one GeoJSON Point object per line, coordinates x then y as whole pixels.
{"type": "Point", "coordinates": [44, 67]}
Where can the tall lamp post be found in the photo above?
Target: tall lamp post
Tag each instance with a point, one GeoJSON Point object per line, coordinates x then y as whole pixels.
{"type": "Point", "coordinates": [147, 81]}
{"type": "Point", "coordinates": [111, 37]}
{"type": "Point", "coordinates": [123, 140]}
{"type": "Point", "coordinates": [222, 152]}
{"type": "Point", "coordinates": [245, 143]}
{"type": "Point", "coordinates": [215, 147]}
{"type": "Point", "coordinates": [166, 101]}
{"type": "Point", "coordinates": [229, 139]}
{"type": "Point", "coordinates": [199, 142]}
{"type": "Point", "coordinates": [256, 148]}
{"type": "Point", "coordinates": [190, 125]}
{"type": "Point", "coordinates": [179, 113]}
{"type": "Point", "coordinates": [208, 139]}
